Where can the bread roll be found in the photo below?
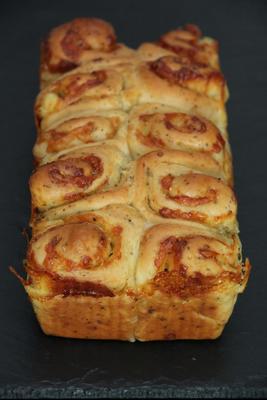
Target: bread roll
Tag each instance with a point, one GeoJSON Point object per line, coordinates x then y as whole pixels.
{"type": "Point", "coordinates": [75, 43]}
{"type": "Point", "coordinates": [134, 229]}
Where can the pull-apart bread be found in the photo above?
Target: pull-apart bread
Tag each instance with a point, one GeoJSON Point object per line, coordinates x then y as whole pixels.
{"type": "Point", "coordinates": [134, 229]}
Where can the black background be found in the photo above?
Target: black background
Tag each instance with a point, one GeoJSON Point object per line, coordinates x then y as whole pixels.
{"type": "Point", "coordinates": [235, 365]}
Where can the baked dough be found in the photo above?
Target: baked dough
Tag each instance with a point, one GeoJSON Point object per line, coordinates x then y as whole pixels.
{"type": "Point", "coordinates": [84, 128]}
{"type": "Point", "coordinates": [156, 126]}
{"type": "Point", "coordinates": [187, 281]}
{"type": "Point", "coordinates": [82, 273]}
{"type": "Point", "coordinates": [186, 42]}
{"type": "Point", "coordinates": [134, 229]}
{"type": "Point", "coordinates": [173, 185]}
{"type": "Point", "coordinates": [75, 43]}
{"type": "Point", "coordinates": [77, 173]}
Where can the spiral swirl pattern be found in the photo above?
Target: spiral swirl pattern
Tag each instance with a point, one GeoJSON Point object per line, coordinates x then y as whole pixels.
{"type": "Point", "coordinates": [89, 246]}
{"type": "Point", "coordinates": [81, 130]}
{"type": "Point", "coordinates": [76, 174]}
{"type": "Point", "coordinates": [169, 185]}
{"type": "Point", "coordinates": [155, 126]}
{"type": "Point", "coordinates": [174, 258]}
{"type": "Point", "coordinates": [75, 43]}
{"type": "Point", "coordinates": [187, 43]}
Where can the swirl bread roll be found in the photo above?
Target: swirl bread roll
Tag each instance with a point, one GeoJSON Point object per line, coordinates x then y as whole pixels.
{"type": "Point", "coordinates": [154, 126]}
{"type": "Point", "coordinates": [174, 185]}
{"type": "Point", "coordinates": [134, 229]}
{"type": "Point", "coordinates": [76, 174]}
{"type": "Point", "coordinates": [188, 280]}
{"type": "Point", "coordinates": [187, 43]}
{"type": "Point", "coordinates": [85, 128]}
{"type": "Point", "coordinates": [81, 273]}
{"type": "Point", "coordinates": [105, 85]}
{"type": "Point", "coordinates": [75, 43]}
{"type": "Point", "coordinates": [190, 87]}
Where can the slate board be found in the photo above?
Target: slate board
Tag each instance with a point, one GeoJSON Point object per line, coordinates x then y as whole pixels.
{"type": "Point", "coordinates": [32, 364]}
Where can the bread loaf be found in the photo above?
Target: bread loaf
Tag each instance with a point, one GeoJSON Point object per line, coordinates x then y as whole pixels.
{"type": "Point", "coordinates": [134, 229]}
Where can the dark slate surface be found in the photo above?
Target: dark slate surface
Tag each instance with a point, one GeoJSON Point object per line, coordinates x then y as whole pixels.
{"type": "Point", "coordinates": [32, 364]}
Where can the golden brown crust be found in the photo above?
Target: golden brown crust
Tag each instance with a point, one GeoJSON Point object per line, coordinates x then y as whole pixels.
{"type": "Point", "coordinates": [86, 254]}
{"type": "Point", "coordinates": [163, 318]}
{"type": "Point", "coordinates": [186, 260]}
{"type": "Point", "coordinates": [84, 317]}
{"type": "Point", "coordinates": [154, 126]}
{"type": "Point", "coordinates": [133, 213]}
{"type": "Point", "coordinates": [177, 186]}
{"type": "Point", "coordinates": [188, 281]}
{"type": "Point", "coordinates": [187, 43]}
{"type": "Point", "coordinates": [193, 89]}
{"type": "Point", "coordinates": [98, 87]}
{"type": "Point", "coordinates": [107, 84]}
{"type": "Point", "coordinates": [75, 174]}
{"type": "Point", "coordinates": [74, 43]}
{"type": "Point", "coordinates": [85, 128]}
{"type": "Point", "coordinates": [202, 79]}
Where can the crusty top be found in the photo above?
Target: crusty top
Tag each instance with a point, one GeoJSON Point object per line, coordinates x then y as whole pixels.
{"type": "Point", "coordinates": [180, 186]}
{"type": "Point", "coordinates": [84, 128]}
{"type": "Point", "coordinates": [82, 249]}
{"type": "Point", "coordinates": [75, 174]}
{"type": "Point", "coordinates": [73, 43]}
{"type": "Point", "coordinates": [185, 261]}
{"type": "Point", "coordinates": [132, 190]}
{"type": "Point", "coordinates": [186, 42]}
